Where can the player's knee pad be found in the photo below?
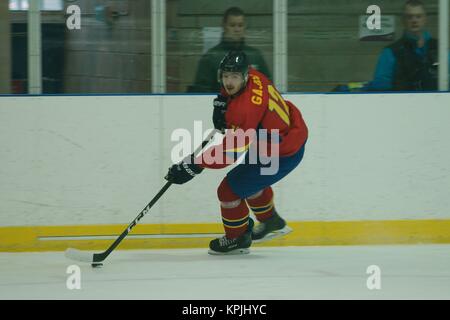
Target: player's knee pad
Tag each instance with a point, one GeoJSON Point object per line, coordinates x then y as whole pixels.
{"type": "Point", "coordinates": [227, 198]}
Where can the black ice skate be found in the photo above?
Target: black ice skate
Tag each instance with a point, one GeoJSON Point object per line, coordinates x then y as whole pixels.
{"type": "Point", "coordinates": [274, 227]}
{"type": "Point", "coordinates": [240, 245]}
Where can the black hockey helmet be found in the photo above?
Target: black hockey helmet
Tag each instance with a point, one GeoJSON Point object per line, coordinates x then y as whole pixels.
{"type": "Point", "coordinates": [234, 61]}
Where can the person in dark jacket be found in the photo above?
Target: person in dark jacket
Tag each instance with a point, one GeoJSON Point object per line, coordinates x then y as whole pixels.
{"type": "Point", "coordinates": [233, 38]}
{"type": "Point", "coordinates": [411, 63]}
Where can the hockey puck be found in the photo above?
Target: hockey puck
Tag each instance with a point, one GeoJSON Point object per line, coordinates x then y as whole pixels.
{"type": "Point", "coordinates": [97, 265]}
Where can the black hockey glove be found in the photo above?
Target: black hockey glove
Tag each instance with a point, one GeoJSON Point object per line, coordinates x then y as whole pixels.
{"type": "Point", "coordinates": [184, 171]}
{"type": "Point", "coordinates": [220, 108]}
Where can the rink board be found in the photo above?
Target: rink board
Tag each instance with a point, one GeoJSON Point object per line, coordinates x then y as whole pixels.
{"type": "Point", "coordinates": [375, 171]}
{"type": "Point", "coordinates": [169, 236]}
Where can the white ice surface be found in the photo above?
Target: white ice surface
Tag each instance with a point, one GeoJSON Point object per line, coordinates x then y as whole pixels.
{"type": "Point", "coordinates": [338, 272]}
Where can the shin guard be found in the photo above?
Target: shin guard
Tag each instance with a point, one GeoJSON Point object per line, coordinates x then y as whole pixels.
{"type": "Point", "coordinates": [235, 213]}
{"type": "Point", "coordinates": [262, 204]}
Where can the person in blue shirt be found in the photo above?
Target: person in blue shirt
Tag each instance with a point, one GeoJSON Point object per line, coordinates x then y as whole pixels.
{"type": "Point", "coordinates": [411, 63]}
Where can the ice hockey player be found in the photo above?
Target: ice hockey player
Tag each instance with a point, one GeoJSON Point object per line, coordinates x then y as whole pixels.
{"type": "Point", "coordinates": [257, 118]}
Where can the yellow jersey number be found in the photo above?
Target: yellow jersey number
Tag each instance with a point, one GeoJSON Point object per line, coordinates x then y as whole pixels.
{"type": "Point", "coordinates": [277, 104]}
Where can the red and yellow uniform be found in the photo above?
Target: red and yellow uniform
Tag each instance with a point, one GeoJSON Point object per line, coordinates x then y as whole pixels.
{"type": "Point", "coordinates": [258, 106]}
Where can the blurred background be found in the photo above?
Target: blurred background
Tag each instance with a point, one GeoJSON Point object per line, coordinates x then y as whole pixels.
{"type": "Point", "coordinates": [144, 46]}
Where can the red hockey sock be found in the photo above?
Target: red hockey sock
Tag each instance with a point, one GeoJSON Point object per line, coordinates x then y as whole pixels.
{"type": "Point", "coordinates": [235, 213]}
{"type": "Point", "coordinates": [262, 206]}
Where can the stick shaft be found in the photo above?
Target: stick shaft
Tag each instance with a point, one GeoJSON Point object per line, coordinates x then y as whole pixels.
{"type": "Point", "coordinates": [98, 257]}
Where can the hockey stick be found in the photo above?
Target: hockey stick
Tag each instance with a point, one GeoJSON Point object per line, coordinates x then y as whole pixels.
{"type": "Point", "coordinates": [97, 258]}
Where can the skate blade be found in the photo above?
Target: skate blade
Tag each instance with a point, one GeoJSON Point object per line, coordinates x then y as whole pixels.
{"type": "Point", "coordinates": [274, 235]}
{"type": "Point", "coordinates": [233, 252]}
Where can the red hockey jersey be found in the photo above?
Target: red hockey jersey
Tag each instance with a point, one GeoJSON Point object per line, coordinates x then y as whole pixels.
{"type": "Point", "coordinates": [259, 106]}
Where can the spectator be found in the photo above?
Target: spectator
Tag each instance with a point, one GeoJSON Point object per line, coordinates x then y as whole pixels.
{"type": "Point", "coordinates": [409, 64]}
{"type": "Point", "coordinates": [233, 38]}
